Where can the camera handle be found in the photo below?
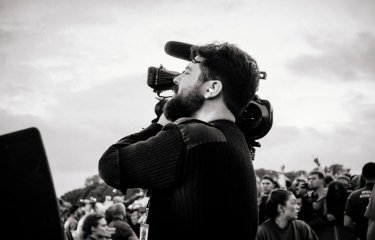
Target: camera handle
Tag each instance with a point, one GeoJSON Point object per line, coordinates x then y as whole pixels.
{"type": "Point", "coordinates": [252, 144]}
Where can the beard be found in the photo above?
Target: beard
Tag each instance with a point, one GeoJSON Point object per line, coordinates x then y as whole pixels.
{"type": "Point", "coordinates": [184, 105]}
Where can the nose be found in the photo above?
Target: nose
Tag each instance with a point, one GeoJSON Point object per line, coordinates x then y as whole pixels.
{"type": "Point", "coordinates": [177, 80]}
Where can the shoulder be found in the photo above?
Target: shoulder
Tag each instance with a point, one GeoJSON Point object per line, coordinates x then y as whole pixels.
{"type": "Point", "coordinates": [264, 231]}
{"type": "Point", "coordinates": [355, 193]}
{"type": "Point", "coordinates": [300, 223]}
{"type": "Point", "coordinates": [197, 132]}
{"type": "Point", "coordinates": [265, 226]}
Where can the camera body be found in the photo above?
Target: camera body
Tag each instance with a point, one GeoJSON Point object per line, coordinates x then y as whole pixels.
{"type": "Point", "coordinates": [255, 121]}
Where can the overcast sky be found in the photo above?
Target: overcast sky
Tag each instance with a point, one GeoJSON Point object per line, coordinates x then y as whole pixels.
{"type": "Point", "coordinates": [77, 71]}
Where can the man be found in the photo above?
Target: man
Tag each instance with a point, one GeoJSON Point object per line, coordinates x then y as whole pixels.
{"type": "Point", "coordinates": [357, 202]}
{"type": "Point", "coordinates": [370, 214]}
{"type": "Point", "coordinates": [267, 184]}
{"type": "Point", "coordinates": [345, 180]}
{"type": "Point", "coordinates": [317, 199]}
{"type": "Point", "coordinates": [116, 217]}
{"type": "Point", "coordinates": [70, 225]}
{"type": "Point", "coordinates": [195, 157]}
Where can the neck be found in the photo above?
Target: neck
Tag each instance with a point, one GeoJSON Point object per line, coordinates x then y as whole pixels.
{"type": "Point", "coordinates": [281, 222]}
{"type": "Point", "coordinates": [319, 191]}
{"type": "Point", "coordinates": [214, 110]}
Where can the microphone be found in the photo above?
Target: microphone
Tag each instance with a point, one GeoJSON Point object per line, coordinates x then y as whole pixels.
{"type": "Point", "coordinates": [178, 49]}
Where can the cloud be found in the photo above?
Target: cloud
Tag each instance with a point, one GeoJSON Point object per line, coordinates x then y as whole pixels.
{"type": "Point", "coordinates": [82, 125]}
{"type": "Point", "coordinates": [348, 143]}
{"type": "Point", "coordinates": [338, 58]}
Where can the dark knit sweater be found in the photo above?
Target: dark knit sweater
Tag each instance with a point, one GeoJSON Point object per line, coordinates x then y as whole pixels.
{"type": "Point", "coordinates": [201, 177]}
{"type": "Point", "coordinates": [296, 230]}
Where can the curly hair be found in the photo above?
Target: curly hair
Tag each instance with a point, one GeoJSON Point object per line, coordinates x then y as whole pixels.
{"type": "Point", "coordinates": [236, 69]}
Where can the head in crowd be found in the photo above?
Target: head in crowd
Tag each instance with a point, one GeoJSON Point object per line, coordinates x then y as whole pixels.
{"type": "Point", "coordinates": [134, 216]}
{"type": "Point", "coordinates": [115, 211]}
{"type": "Point", "coordinates": [316, 180]}
{"type": "Point", "coordinates": [355, 181]}
{"type": "Point", "coordinates": [95, 226]}
{"type": "Point", "coordinates": [336, 192]}
{"type": "Point", "coordinates": [282, 204]}
{"type": "Point", "coordinates": [217, 71]}
{"type": "Point", "coordinates": [118, 199]}
{"type": "Point", "coordinates": [327, 180]}
{"type": "Point", "coordinates": [267, 184]}
{"type": "Point", "coordinates": [344, 179]}
{"type": "Point", "coordinates": [302, 188]}
{"type": "Point", "coordinates": [73, 211]}
{"type": "Point", "coordinates": [368, 172]}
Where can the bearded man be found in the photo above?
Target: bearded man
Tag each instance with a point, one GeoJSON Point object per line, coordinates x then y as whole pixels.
{"type": "Point", "coordinates": [194, 159]}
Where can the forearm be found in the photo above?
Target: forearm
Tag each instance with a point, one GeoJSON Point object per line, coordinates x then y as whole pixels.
{"type": "Point", "coordinates": [146, 159]}
{"type": "Point", "coordinates": [348, 222]}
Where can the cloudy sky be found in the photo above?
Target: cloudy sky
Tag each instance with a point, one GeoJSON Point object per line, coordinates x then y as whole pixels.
{"type": "Point", "coordinates": [77, 71]}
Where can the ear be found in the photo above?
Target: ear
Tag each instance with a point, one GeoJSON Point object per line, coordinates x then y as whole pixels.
{"type": "Point", "coordinates": [212, 88]}
{"type": "Point", "coordinates": [280, 209]}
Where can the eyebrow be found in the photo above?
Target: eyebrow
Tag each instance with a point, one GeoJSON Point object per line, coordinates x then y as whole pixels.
{"type": "Point", "coordinates": [188, 68]}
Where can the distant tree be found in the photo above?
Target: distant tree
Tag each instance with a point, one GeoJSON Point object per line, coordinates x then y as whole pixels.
{"type": "Point", "coordinates": [93, 180]}
{"type": "Point", "coordinates": [73, 196]}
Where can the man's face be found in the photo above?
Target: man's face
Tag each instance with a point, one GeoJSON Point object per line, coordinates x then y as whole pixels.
{"type": "Point", "coordinates": [315, 182]}
{"type": "Point", "coordinates": [266, 186]}
{"type": "Point", "coordinates": [189, 99]}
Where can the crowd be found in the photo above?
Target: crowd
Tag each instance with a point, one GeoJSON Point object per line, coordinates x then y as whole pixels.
{"type": "Point", "coordinates": [115, 218]}
{"type": "Point", "coordinates": [313, 206]}
{"type": "Point", "coordinates": [194, 155]}
{"type": "Point", "coordinates": [326, 206]}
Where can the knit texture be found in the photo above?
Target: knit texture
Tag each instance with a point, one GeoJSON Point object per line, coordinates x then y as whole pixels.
{"type": "Point", "coordinates": [201, 176]}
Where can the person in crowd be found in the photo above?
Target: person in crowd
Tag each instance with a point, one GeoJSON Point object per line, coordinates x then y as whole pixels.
{"type": "Point", "coordinates": [95, 227]}
{"type": "Point", "coordinates": [336, 199]}
{"type": "Point", "coordinates": [133, 220]}
{"type": "Point", "coordinates": [107, 202]}
{"type": "Point", "coordinates": [357, 202]}
{"type": "Point", "coordinates": [89, 207]}
{"type": "Point", "coordinates": [282, 208]}
{"type": "Point", "coordinates": [257, 179]}
{"type": "Point", "coordinates": [130, 200]}
{"type": "Point", "coordinates": [63, 209]}
{"type": "Point", "coordinates": [194, 156]}
{"type": "Point", "coordinates": [370, 214]}
{"type": "Point", "coordinates": [345, 180]}
{"type": "Point", "coordinates": [116, 218]}
{"type": "Point", "coordinates": [306, 209]}
{"type": "Point", "coordinates": [302, 188]}
{"type": "Point", "coordinates": [317, 198]}
{"type": "Point", "coordinates": [70, 225]}
{"type": "Point", "coordinates": [267, 184]}
{"type": "Point", "coordinates": [327, 180]}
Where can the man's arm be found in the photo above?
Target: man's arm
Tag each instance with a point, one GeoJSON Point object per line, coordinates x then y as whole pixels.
{"type": "Point", "coordinates": [147, 159]}
{"type": "Point", "coordinates": [348, 222]}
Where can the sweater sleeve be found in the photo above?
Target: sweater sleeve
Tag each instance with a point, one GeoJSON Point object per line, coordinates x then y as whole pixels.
{"type": "Point", "coordinates": [147, 159]}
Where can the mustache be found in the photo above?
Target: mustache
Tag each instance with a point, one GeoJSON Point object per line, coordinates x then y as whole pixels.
{"type": "Point", "coordinates": [174, 88]}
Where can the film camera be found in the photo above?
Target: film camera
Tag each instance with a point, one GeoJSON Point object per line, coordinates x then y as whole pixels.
{"type": "Point", "coordinates": [255, 121]}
